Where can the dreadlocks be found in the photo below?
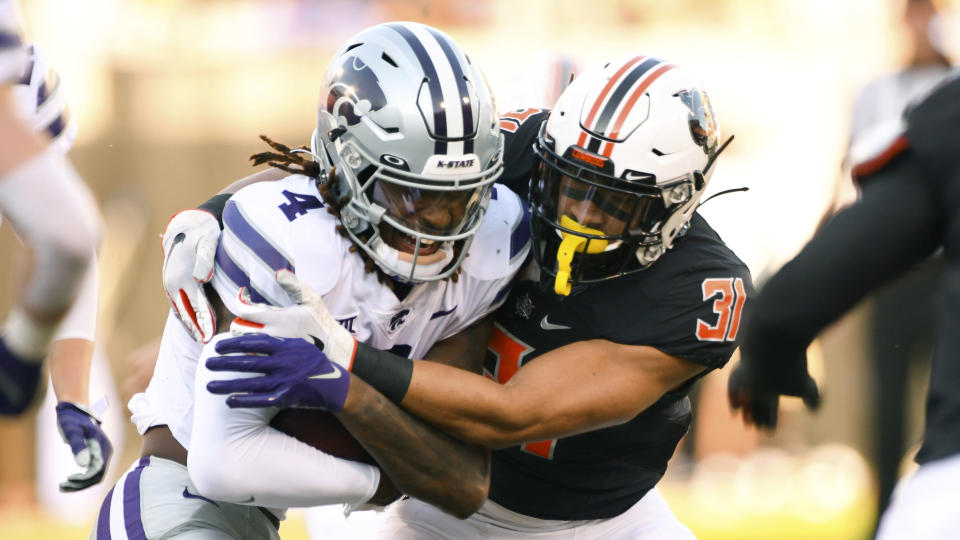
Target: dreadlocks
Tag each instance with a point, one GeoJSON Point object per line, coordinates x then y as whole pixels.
{"type": "Point", "coordinates": [286, 159]}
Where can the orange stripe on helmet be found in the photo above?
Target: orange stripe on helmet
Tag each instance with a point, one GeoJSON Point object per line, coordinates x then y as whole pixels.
{"type": "Point", "coordinates": [606, 89]}
{"type": "Point", "coordinates": [622, 117]}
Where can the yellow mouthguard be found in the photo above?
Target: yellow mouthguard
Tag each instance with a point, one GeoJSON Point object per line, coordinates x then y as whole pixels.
{"type": "Point", "coordinates": [571, 244]}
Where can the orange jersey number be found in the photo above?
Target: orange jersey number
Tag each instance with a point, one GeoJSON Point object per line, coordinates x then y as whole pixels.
{"type": "Point", "coordinates": [728, 306]}
{"type": "Point", "coordinates": [512, 120]}
{"type": "Point", "coordinates": [510, 354]}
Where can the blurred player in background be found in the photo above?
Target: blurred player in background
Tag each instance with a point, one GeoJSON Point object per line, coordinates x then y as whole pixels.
{"type": "Point", "coordinates": [909, 208]}
{"type": "Point", "coordinates": [52, 211]}
{"type": "Point", "coordinates": [396, 223]}
{"type": "Point", "coordinates": [903, 313]}
{"type": "Point", "coordinates": [633, 297]}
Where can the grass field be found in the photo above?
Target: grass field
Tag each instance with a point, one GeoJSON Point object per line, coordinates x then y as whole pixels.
{"type": "Point", "coordinates": [853, 523]}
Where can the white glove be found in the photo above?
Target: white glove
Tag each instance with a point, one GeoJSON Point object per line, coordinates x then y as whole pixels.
{"type": "Point", "coordinates": [189, 248]}
{"type": "Point", "coordinates": [308, 319]}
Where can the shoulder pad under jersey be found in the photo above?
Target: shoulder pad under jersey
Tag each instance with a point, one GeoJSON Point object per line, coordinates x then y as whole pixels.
{"type": "Point", "coordinates": [520, 128]}
{"type": "Point", "coordinates": [268, 226]}
{"type": "Point", "coordinates": [42, 102]}
{"type": "Point", "coordinates": [502, 243]}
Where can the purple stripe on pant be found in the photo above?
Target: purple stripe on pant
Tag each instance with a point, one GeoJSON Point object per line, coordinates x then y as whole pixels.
{"type": "Point", "coordinates": [131, 502]}
{"type": "Point", "coordinates": [103, 520]}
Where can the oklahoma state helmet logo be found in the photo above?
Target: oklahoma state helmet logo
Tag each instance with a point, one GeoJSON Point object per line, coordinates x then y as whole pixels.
{"type": "Point", "coordinates": [703, 124]}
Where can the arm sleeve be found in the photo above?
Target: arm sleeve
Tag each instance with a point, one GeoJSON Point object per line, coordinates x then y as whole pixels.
{"type": "Point", "coordinates": [892, 227]}
{"type": "Point", "coordinates": [54, 212]}
{"type": "Point", "coordinates": [236, 456]}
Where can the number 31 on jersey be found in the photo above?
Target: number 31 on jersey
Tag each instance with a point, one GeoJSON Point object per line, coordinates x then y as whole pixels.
{"type": "Point", "coordinates": [730, 295]}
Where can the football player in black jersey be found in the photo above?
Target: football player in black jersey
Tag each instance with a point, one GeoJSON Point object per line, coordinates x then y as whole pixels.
{"type": "Point", "coordinates": [910, 208]}
{"type": "Point", "coordinates": [633, 297]}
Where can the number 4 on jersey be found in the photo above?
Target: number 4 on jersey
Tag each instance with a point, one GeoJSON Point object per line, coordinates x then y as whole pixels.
{"type": "Point", "coordinates": [298, 205]}
{"type": "Point", "coordinates": [728, 306]}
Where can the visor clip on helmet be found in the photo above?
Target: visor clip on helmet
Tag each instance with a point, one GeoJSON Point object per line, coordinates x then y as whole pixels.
{"type": "Point", "coordinates": [336, 132]}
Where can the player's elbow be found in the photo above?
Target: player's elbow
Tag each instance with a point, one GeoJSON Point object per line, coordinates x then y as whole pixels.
{"type": "Point", "coordinates": [470, 503]}
{"type": "Point", "coordinates": [469, 497]}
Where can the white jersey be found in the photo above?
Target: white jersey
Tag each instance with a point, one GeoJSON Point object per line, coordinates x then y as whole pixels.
{"type": "Point", "coordinates": [42, 102]}
{"type": "Point", "coordinates": [283, 224]}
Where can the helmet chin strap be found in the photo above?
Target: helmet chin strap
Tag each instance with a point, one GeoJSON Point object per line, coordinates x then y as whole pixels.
{"type": "Point", "coordinates": [570, 245]}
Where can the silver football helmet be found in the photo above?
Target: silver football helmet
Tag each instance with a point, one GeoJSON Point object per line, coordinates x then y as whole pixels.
{"type": "Point", "coordinates": [407, 131]}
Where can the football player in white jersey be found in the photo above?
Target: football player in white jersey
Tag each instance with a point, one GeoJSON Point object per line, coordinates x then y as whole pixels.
{"type": "Point", "coordinates": [42, 104]}
{"type": "Point", "coordinates": [397, 226]}
{"type": "Point", "coordinates": [53, 212]}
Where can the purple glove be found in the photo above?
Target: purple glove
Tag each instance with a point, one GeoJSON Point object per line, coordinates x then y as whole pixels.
{"type": "Point", "coordinates": [19, 381]}
{"type": "Point", "coordinates": [80, 428]}
{"type": "Point", "coordinates": [295, 374]}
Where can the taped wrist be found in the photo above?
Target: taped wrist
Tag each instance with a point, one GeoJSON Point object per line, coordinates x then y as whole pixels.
{"type": "Point", "coordinates": [215, 206]}
{"type": "Point", "coordinates": [389, 373]}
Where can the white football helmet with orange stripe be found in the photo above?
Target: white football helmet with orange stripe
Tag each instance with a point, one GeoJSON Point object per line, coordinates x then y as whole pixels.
{"type": "Point", "coordinates": [625, 157]}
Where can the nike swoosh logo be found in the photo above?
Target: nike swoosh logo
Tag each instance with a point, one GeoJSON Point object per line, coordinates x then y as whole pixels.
{"type": "Point", "coordinates": [547, 325]}
{"type": "Point", "coordinates": [188, 495]}
{"type": "Point", "coordinates": [439, 314]}
{"type": "Point", "coordinates": [335, 374]}
{"type": "Point", "coordinates": [178, 239]}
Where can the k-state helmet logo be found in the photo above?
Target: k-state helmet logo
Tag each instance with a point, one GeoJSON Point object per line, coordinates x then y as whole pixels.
{"type": "Point", "coordinates": [398, 319]}
{"type": "Point", "coordinates": [456, 163]}
{"type": "Point", "coordinates": [355, 91]}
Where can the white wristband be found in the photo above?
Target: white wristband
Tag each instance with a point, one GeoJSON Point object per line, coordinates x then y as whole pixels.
{"type": "Point", "coordinates": [25, 337]}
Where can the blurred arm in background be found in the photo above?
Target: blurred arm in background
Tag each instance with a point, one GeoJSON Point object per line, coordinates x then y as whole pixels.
{"type": "Point", "coordinates": [909, 209]}
{"type": "Point", "coordinates": [52, 211]}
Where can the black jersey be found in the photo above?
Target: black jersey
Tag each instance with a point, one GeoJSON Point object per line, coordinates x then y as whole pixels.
{"type": "Point", "coordinates": [909, 208]}
{"type": "Point", "coordinates": [935, 145]}
{"type": "Point", "coordinates": [688, 304]}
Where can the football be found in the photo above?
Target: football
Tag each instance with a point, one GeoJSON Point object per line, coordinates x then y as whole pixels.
{"type": "Point", "coordinates": [322, 431]}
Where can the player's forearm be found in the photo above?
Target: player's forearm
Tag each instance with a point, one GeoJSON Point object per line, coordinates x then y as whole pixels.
{"type": "Point", "coordinates": [236, 456]}
{"type": "Point", "coordinates": [421, 460]}
{"type": "Point", "coordinates": [580, 387]}
{"type": "Point", "coordinates": [468, 406]}
{"type": "Point", "coordinates": [70, 369]}
{"type": "Point", "coordinates": [889, 229]}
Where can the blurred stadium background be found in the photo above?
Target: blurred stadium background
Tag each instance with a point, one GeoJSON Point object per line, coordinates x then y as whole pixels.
{"type": "Point", "coordinates": [170, 96]}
